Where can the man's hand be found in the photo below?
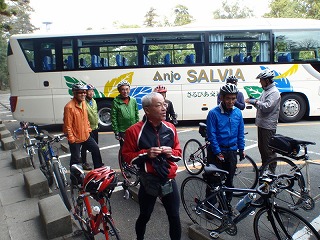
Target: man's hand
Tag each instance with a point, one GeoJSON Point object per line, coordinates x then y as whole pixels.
{"type": "Point", "coordinates": [241, 154]}
{"type": "Point", "coordinates": [167, 151]}
{"type": "Point", "coordinates": [153, 152]}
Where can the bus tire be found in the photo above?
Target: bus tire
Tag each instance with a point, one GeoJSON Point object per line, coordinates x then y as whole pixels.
{"type": "Point", "coordinates": [104, 112]}
{"type": "Point", "coordinates": [292, 108]}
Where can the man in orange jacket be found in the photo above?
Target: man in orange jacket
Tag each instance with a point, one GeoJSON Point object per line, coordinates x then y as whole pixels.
{"type": "Point", "coordinates": [77, 127]}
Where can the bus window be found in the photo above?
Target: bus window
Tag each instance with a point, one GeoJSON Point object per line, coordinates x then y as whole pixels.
{"type": "Point", "coordinates": [67, 53]}
{"type": "Point", "coordinates": [28, 51]}
{"type": "Point", "coordinates": [48, 56]}
{"type": "Point", "coordinates": [239, 47]}
{"type": "Point", "coordinates": [293, 46]}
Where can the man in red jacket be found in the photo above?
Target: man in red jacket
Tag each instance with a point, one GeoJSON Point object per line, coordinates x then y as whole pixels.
{"type": "Point", "coordinates": [153, 145]}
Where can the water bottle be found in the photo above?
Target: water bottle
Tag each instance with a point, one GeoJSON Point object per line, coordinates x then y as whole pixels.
{"type": "Point", "coordinates": [95, 211]}
{"type": "Point", "coordinates": [245, 201]}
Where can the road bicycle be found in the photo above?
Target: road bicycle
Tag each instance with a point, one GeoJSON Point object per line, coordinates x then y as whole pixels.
{"type": "Point", "coordinates": [194, 159]}
{"type": "Point", "coordinates": [93, 220]}
{"type": "Point", "coordinates": [50, 163]}
{"type": "Point", "coordinates": [27, 141]}
{"type": "Point", "coordinates": [129, 172]}
{"type": "Point", "coordinates": [299, 196]}
{"type": "Point", "coordinates": [207, 206]}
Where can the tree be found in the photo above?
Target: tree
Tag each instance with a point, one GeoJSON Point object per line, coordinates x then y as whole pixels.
{"type": "Point", "coordinates": [229, 11]}
{"type": "Point", "coordinates": [150, 18]}
{"type": "Point", "coordinates": [294, 9]}
{"type": "Point", "coordinates": [15, 19]}
{"type": "Point", "coordinates": [182, 16]}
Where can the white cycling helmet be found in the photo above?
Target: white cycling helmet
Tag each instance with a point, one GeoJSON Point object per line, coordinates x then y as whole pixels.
{"type": "Point", "coordinates": [266, 74]}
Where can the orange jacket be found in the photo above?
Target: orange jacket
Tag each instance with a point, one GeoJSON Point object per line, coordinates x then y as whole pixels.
{"type": "Point", "coordinates": [75, 122]}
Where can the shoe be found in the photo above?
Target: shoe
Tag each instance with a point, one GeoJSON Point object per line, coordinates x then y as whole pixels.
{"type": "Point", "coordinates": [86, 166]}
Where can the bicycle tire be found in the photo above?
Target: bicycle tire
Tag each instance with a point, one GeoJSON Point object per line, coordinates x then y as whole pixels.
{"type": "Point", "coordinates": [110, 230]}
{"type": "Point", "coordinates": [193, 156]}
{"type": "Point", "coordinates": [61, 185]}
{"type": "Point", "coordinates": [193, 190]}
{"type": "Point", "coordinates": [45, 167]}
{"type": "Point", "coordinates": [246, 175]}
{"type": "Point", "coordinates": [288, 197]}
{"type": "Point", "coordinates": [295, 225]}
{"type": "Point", "coordinates": [129, 173]}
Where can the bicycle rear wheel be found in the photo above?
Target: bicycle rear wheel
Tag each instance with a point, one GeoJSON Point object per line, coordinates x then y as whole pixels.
{"type": "Point", "coordinates": [292, 197]}
{"type": "Point", "coordinates": [282, 223]}
{"type": "Point", "coordinates": [193, 156]}
{"type": "Point", "coordinates": [110, 230]}
{"type": "Point", "coordinates": [193, 193]}
{"type": "Point", "coordinates": [246, 175]}
{"type": "Point", "coordinates": [129, 172]}
{"type": "Point", "coordinates": [45, 167]}
{"type": "Point", "coordinates": [61, 185]}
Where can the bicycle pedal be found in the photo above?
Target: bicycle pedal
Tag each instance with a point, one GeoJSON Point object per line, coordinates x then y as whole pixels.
{"type": "Point", "coordinates": [214, 234]}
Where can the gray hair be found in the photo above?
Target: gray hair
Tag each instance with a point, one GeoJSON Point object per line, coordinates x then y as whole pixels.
{"type": "Point", "coordinates": [147, 99]}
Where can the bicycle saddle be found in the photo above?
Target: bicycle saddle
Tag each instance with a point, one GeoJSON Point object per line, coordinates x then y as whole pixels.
{"type": "Point", "coordinates": [302, 142]}
{"type": "Point", "coordinates": [39, 137]}
{"type": "Point", "coordinates": [211, 169]}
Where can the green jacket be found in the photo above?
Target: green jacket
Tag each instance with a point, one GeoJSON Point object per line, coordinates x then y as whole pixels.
{"type": "Point", "coordinates": [124, 115]}
{"type": "Point", "coordinates": [93, 114]}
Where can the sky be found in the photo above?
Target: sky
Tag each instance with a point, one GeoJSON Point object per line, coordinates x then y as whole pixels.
{"type": "Point", "coordinates": [75, 15]}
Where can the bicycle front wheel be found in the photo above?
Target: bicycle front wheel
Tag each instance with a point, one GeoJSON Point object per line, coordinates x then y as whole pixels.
{"type": "Point", "coordinates": [207, 214]}
{"type": "Point", "coordinates": [110, 230]}
{"type": "Point", "coordinates": [246, 175]}
{"type": "Point", "coordinates": [61, 185]}
{"type": "Point", "coordinates": [288, 197]}
{"type": "Point", "coordinates": [45, 167]}
{"type": "Point", "coordinates": [193, 156]}
{"type": "Point", "coordinates": [281, 223]}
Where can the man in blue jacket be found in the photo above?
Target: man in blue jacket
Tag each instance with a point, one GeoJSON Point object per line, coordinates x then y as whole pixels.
{"type": "Point", "coordinates": [225, 129]}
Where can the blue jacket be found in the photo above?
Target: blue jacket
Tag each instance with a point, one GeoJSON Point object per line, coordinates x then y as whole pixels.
{"type": "Point", "coordinates": [225, 129]}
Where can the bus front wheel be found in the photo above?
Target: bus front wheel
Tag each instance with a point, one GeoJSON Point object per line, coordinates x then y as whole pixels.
{"type": "Point", "coordinates": [104, 112]}
{"type": "Point", "coordinates": [292, 108]}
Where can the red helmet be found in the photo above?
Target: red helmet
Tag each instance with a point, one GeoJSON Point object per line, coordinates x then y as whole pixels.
{"type": "Point", "coordinates": [100, 179]}
{"type": "Point", "coordinates": [160, 89]}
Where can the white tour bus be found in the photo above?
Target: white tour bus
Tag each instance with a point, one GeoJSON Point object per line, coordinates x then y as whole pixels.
{"type": "Point", "coordinates": [192, 62]}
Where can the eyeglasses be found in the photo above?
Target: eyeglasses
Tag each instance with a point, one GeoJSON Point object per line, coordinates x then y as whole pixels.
{"type": "Point", "coordinates": [84, 92]}
{"type": "Point", "coordinates": [158, 105]}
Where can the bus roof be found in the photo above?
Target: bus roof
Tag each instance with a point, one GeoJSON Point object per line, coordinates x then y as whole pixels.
{"type": "Point", "coordinates": [249, 24]}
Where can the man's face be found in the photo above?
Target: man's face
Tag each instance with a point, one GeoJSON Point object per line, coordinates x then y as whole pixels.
{"type": "Point", "coordinates": [80, 95]}
{"type": "Point", "coordinates": [229, 100]}
{"type": "Point", "coordinates": [157, 110]}
{"type": "Point", "coordinates": [90, 94]}
{"type": "Point", "coordinates": [263, 82]}
{"type": "Point", "coordinates": [124, 91]}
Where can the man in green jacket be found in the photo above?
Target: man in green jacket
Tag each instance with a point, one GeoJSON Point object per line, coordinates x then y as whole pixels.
{"type": "Point", "coordinates": [94, 123]}
{"type": "Point", "coordinates": [124, 111]}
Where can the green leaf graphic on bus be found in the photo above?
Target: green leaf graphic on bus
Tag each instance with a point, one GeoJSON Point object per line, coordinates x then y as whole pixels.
{"type": "Point", "coordinates": [71, 80]}
{"type": "Point", "coordinates": [110, 88]}
{"type": "Point", "coordinates": [253, 91]}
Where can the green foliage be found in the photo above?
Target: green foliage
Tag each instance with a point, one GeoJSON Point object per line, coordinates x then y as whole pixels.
{"type": "Point", "coordinates": [182, 16]}
{"type": "Point", "coordinates": [150, 18]}
{"type": "Point", "coordinates": [231, 11]}
{"type": "Point", "coordinates": [294, 9]}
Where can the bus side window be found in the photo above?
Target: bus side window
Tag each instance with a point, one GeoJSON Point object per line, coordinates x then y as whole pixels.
{"type": "Point", "coordinates": [104, 62]}
{"type": "Point", "coordinates": [284, 57]}
{"type": "Point", "coordinates": [119, 60]}
{"type": "Point", "coordinates": [192, 58]}
{"type": "Point", "coordinates": [257, 58]}
{"type": "Point", "coordinates": [47, 63]}
{"type": "Point", "coordinates": [124, 61]}
{"type": "Point", "coordinates": [227, 59]}
{"type": "Point", "coordinates": [70, 63]}
{"type": "Point", "coordinates": [166, 59]}
{"type": "Point", "coordinates": [238, 57]}
{"type": "Point", "coordinates": [248, 59]}
{"type": "Point", "coordinates": [83, 63]}
{"type": "Point", "coordinates": [94, 61]}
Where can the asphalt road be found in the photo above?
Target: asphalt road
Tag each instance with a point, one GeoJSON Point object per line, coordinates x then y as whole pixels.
{"type": "Point", "coordinates": [125, 211]}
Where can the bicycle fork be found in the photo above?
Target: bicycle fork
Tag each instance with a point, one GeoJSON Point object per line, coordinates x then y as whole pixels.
{"type": "Point", "coordinates": [62, 171]}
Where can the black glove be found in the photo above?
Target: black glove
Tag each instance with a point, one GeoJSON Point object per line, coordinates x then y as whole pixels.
{"type": "Point", "coordinates": [220, 157]}
{"type": "Point", "coordinates": [161, 166]}
{"type": "Point", "coordinates": [241, 154]}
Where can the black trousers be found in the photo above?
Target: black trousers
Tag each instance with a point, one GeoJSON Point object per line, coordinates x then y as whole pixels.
{"type": "Point", "coordinates": [92, 147]}
{"type": "Point", "coordinates": [94, 134]}
{"type": "Point", "coordinates": [171, 203]}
